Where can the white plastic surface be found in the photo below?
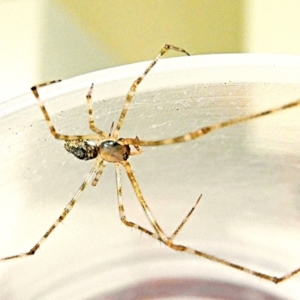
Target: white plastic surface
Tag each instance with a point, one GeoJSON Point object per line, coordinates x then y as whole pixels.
{"type": "Point", "coordinates": [248, 175]}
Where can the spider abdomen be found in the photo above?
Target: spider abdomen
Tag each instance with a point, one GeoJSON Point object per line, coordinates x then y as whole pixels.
{"type": "Point", "coordinates": [82, 149]}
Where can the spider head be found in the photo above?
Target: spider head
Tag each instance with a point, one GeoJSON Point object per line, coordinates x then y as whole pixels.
{"type": "Point", "coordinates": [82, 149]}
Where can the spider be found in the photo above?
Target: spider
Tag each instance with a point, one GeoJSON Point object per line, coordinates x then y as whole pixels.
{"type": "Point", "coordinates": [110, 148]}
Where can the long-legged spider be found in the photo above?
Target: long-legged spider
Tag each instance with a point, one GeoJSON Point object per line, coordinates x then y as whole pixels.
{"type": "Point", "coordinates": [110, 148]}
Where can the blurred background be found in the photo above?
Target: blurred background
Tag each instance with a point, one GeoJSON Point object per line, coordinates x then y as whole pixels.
{"type": "Point", "coordinates": [47, 39]}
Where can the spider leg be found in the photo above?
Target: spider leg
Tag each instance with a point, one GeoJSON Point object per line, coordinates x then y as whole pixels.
{"type": "Point", "coordinates": [162, 236]}
{"type": "Point", "coordinates": [52, 129]}
{"type": "Point", "coordinates": [62, 216]}
{"type": "Point", "coordinates": [181, 248]}
{"type": "Point", "coordinates": [92, 125]}
{"type": "Point", "coordinates": [135, 84]}
{"type": "Point", "coordinates": [175, 233]}
{"type": "Point", "coordinates": [138, 149]}
{"type": "Point", "coordinates": [136, 226]}
{"type": "Point", "coordinates": [121, 206]}
{"type": "Point", "coordinates": [101, 165]}
{"type": "Point", "coordinates": [207, 129]}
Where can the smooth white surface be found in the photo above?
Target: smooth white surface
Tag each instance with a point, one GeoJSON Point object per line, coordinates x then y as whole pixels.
{"type": "Point", "coordinates": [248, 175]}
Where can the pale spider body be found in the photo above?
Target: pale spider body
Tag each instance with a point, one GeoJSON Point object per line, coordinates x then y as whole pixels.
{"type": "Point", "coordinates": [109, 148]}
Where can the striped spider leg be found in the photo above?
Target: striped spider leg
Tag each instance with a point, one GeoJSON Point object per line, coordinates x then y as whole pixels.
{"type": "Point", "coordinates": [104, 148]}
{"type": "Point", "coordinates": [192, 136]}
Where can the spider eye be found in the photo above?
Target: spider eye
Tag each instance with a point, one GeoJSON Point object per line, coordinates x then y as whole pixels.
{"type": "Point", "coordinates": [82, 149]}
